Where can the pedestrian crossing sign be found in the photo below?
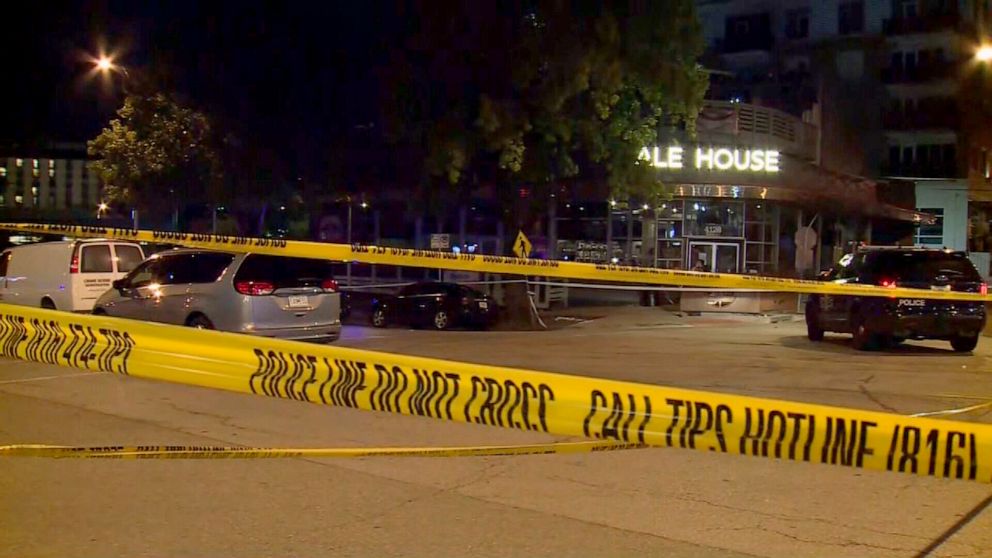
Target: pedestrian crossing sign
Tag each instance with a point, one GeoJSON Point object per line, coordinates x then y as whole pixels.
{"type": "Point", "coordinates": [522, 246]}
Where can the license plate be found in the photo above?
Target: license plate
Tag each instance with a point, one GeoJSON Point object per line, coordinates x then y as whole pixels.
{"type": "Point", "coordinates": [483, 305]}
{"type": "Point", "coordinates": [940, 288]}
{"type": "Point", "coordinates": [299, 302]}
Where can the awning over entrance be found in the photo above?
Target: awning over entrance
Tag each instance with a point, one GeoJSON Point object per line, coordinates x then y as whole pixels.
{"type": "Point", "coordinates": [797, 181]}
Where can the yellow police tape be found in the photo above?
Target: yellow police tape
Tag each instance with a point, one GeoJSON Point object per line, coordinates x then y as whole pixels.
{"type": "Point", "coordinates": [485, 263]}
{"type": "Point", "coordinates": [237, 452]}
{"type": "Point", "coordinates": [599, 409]}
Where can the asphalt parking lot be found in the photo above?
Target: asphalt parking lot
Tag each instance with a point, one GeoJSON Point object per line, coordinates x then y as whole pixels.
{"type": "Point", "coordinates": [645, 502]}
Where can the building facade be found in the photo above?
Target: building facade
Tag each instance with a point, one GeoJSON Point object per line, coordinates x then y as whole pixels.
{"type": "Point", "coordinates": [894, 84]}
{"type": "Point", "coordinates": [53, 181]}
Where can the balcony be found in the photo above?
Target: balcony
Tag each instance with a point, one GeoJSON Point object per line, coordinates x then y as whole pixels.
{"type": "Point", "coordinates": [722, 122]}
{"type": "Point", "coordinates": [921, 24]}
{"type": "Point", "coordinates": [943, 169]}
{"type": "Point", "coordinates": [921, 73]}
{"type": "Point", "coordinates": [937, 118]}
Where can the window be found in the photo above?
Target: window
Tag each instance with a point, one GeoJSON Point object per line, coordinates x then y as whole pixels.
{"type": "Point", "coordinates": [3, 172]}
{"type": "Point", "coordinates": [176, 269]}
{"type": "Point", "coordinates": [921, 267]}
{"type": "Point", "coordinates": [906, 8]}
{"type": "Point", "coordinates": [797, 24]}
{"type": "Point", "coordinates": [714, 219]}
{"type": "Point", "coordinates": [850, 18]}
{"type": "Point", "coordinates": [144, 275]}
{"type": "Point", "coordinates": [19, 162]}
{"type": "Point", "coordinates": [96, 259]}
{"type": "Point", "coordinates": [208, 267]}
{"type": "Point", "coordinates": [285, 272]}
{"type": "Point", "coordinates": [931, 235]}
{"type": "Point", "coordinates": [4, 261]}
{"type": "Point", "coordinates": [128, 257]}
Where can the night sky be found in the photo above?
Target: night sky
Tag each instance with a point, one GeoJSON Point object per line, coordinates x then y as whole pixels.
{"type": "Point", "coordinates": [287, 78]}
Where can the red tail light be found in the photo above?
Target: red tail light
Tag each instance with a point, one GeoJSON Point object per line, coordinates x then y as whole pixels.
{"type": "Point", "coordinates": [74, 264]}
{"type": "Point", "coordinates": [329, 285]}
{"type": "Point", "coordinates": [254, 288]}
{"type": "Point", "coordinates": [888, 283]}
{"type": "Point", "coordinates": [983, 288]}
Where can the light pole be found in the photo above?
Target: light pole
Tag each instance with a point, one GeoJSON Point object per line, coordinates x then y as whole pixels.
{"type": "Point", "coordinates": [364, 205]}
{"type": "Point", "coordinates": [105, 65]}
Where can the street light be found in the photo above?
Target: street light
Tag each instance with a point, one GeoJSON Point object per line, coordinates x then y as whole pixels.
{"type": "Point", "coordinates": [984, 54]}
{"type": "Point", "coordinates": [105, 65]}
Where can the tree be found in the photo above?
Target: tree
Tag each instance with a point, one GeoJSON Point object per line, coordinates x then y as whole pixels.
{"type": "Point", "coordinates": [544, 90]}
{"type": "Point", "coordinates": [539, 91]}
{"type": "Point", "coordinates": [157, 154]}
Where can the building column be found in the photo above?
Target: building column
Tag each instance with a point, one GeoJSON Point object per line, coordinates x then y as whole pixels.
{"type": "Point", "coordinates": [60, 172]}
{"type": "Point", "coordinates": [27, 199]}
{"type": "Point", "coordinates": [76, 183]}
{"type": "Point", "coordinates": [45, 186]}
{"type": "Point", "coordinates": [93, 186]}
{"type": "Point", "coordinates": [12, 178]}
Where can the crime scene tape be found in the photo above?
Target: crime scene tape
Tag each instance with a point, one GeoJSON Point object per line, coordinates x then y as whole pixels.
{"type": "Point", "coordinates": [592, 408]}
{"type": "Point", "coordinates": [238, 452]}
{"type": "Point", "coordinates": [484, 263]}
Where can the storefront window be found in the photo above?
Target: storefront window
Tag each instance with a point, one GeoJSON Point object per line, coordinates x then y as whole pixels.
{"type": "Point", "coordinates": [931, 235]}
{"type": "Point", "coordinates": [718, 219]}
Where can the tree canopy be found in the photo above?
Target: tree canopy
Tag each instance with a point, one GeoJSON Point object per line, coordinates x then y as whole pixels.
{"type": "Point", "coordinates": [157, 152]}
{"type": "Point", "coordinates": [544, 90]}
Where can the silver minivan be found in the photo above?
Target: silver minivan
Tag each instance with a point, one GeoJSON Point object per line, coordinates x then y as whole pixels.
{"type": "Point", "coordinates": [271, 296]}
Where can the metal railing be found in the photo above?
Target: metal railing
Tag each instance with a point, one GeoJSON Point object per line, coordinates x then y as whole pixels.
{"type": "Point", "coordinates": [759, 126]}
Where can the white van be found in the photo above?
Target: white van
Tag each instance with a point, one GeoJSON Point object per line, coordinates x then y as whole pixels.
{"type": "Point", "coordinates": [65, 275]}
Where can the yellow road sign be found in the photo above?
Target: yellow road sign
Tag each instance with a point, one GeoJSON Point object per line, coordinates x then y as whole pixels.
{"type": "Point", "coordinates": [522, 246]}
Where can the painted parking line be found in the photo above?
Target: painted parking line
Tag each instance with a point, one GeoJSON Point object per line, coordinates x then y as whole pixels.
{"type": "Point", "coordinates": [43, 378]}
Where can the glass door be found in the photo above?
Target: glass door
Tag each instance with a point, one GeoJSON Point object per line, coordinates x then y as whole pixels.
{"type": "Point", "coordinates": [715, 257]}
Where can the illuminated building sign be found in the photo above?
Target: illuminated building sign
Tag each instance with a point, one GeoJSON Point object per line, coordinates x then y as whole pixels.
{"type": "Point", "coordinates": [712, 158]}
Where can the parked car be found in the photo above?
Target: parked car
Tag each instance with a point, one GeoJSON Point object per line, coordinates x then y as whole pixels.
{"type": "Point", "coordinates": [64, 275]}
{"type": "Point", "coordinates": [271, 296]}
{"type": "Point", "coordinates": [878, 321]}
{"type": "Point", "coordinates": [436, 305]}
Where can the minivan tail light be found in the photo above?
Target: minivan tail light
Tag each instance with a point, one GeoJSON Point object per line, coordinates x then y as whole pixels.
{"type": "Point", "coordinates": [329, 285]}
{"type": "Point", "coordinates": [74, 264]}
{"type": "Point", "coordinates": [254, 288]}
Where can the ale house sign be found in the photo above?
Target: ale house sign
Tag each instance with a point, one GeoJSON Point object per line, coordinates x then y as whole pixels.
{"type": "Point", "coordinates": [712, 158]}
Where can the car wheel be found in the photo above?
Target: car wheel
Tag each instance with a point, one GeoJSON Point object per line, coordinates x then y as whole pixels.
{"type": "Point", "coordinates": [47, 304]}
{"type": "Point", "coordinates": [813, 329]}
{"type": "Point", "coordinates": [441, 320]}
{"type": "Point", "coordinates": [200, 321]}
{"type": "Point", "coordinates": [964, 344]}
{"type": "Point", "coordinates": [863, 340]}
{"type": "Point", "coordinates": [379, 318]}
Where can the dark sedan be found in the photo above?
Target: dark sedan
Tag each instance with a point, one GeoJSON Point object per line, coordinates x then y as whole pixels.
{"type": "Point", "coordinates": [435, 305]}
